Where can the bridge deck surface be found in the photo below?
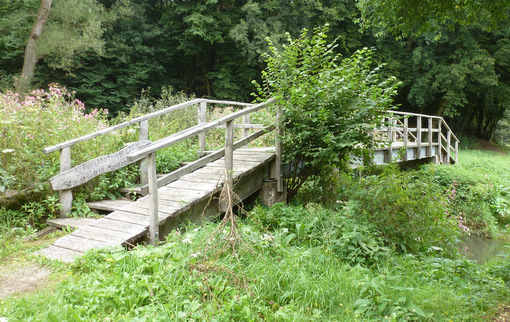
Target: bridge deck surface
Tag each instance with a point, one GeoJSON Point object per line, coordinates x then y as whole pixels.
{"type": "Point", "coordinates": [131, 223]}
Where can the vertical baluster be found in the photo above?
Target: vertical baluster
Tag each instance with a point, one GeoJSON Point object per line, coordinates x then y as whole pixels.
{"type": "Point", "coordinates": [429, 138]}
{"type": "Point", "coordinates": [418, 137]}
{"type": "Point", "coordinates": [153, 200]}
{"type": "Point", "coordinates": [143, 134]}
{"type": "Point", "coordinates": [229, 152]}
{"type": "Point", "coordinates": [65, 196]}
{"type": "Point", "coordinates": [448, 146]}
{"type": "Point", "coordinates": [406, 137]}
{"type": "Point", "coordinates": [202, 115]}
{"type": "Point", "coordinates": [439, 140]}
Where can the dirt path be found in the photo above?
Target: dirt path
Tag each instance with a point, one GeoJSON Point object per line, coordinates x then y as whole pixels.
{"type": "Point", "coordinates": [21, 278]}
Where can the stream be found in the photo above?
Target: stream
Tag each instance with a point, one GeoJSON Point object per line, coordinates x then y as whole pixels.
{"type": "Point", "coordinates": [482, 250]}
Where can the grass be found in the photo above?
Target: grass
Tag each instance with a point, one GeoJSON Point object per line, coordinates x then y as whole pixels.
{"type": "Point", "coordinates": [294, 263]}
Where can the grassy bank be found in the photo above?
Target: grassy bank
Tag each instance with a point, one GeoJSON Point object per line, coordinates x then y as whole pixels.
{"type": "Point", "coordinates": [385, 249]}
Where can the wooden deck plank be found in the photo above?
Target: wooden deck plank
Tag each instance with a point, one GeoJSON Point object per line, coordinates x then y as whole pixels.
{"type": "Point", "coordinates": [130, 221]}
{"type": "Point", "coordinates": [59, 253]}
{"type": "Point", "coordinates": [130, 217]}
{"type": "Point", "coordinates": [70, 222]}
{"type": "Point", "coordinates": [81, 244]}
{"type": "Point", "coordinates": [182, 184]}
{"type": "Point", "coordinates": [109, 205]}
{"type": "Point", "coordinates": [113, 224]}
{"type": "Point", "coordinates": [102, 234]}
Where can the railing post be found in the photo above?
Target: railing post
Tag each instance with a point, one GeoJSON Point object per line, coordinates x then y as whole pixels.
{"type": "Point", "coordinates": [448, 146]}
{"type": "Point", "coordinates": [429, 138]}
{"type": "Point", "coordinates": [202, 112]}
{"type": "Point", "coordinates": [439, 140]}
{"type": "Point", "coordinates": [229, 164]}
{"type": "Point", "coordinates": [389, 151]}
{"type": "Point", "coordinates": [406, 138]}
{"type": "Point", "coordinates": [278, 151]}
{"type": "Point", "coordinates": [143, 134]}
{"type": "Point", "coordinates": [153, 200]}
{"type": "Point", "coordinates": [229, 153]}
{"type": "Point", "coordinates": [246, 120]}
{"type": "Point", "coordinates": [65, 196]}
{"type": "Point", "coordinates": [418, 137]}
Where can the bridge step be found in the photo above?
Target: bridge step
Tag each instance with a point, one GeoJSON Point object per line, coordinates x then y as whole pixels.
{"type": "Point", "coordinates": [109, 205]}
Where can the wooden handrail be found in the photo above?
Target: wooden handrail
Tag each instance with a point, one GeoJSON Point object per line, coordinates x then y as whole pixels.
{"type": "Point", "coordinates": [192, 131]}
{"type": "Point", "coordinates": [117, 127]}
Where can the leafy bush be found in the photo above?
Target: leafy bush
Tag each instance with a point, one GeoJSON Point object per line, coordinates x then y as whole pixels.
{"type": "Point", "coordinates": [330, 106]}
{"type": "Point", "coordinates": [336, 231]}
{"type": "Point", "coordinates": [411, 214]}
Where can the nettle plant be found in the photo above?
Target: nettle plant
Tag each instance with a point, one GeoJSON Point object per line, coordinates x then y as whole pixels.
{"type": "Point", "coordinates": [330, 105]}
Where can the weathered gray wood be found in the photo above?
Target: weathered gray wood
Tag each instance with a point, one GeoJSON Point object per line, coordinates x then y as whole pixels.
{"type": "Point", "coordinates": [143, 135]}
{"type": "Point", "coordinates": [229, 103]}
{"type": "Point", "coordinates": [70, 222]}
{"type": "Point", "coordinates": [440, 150]}
{"type": "Point", "coordinates": [109, 205]}
{"type": "Point", "coordinates": [102, 234]}
{"type": "Point", "coordinates": [59, 253]}
{"type": "Point", "coordinates": [202, 118]}
{"type": "Point", "coordinates": [207, 159]}
{"type": "Point", "coordinates": [406, 138]}
{"type": "Point", "coordinates": [66, 195]}
{"type": "Point", "coordinates": [418, 137]}
{"type": "Point", "coordinates": [448, 145]}
{"type": "Point", "coordinates": [138, 217]}
{"type": "Point", "coordinates": [153, 205]}
{"type": "Point", "coordinates": [93, 168]}
{"type": "Point", "coordinates": [122, 125]}
{"type": "Point", "coordinates": [109, 223]}
{"type": "Point", "coordinates": [246, 125]}
{"type": "Point", "coordinates": [131, 223]}
{"type": "Point", "coordinates": [165, 142]}
{"type": "Point", "coordinates": [181, 184]}
{"type": "Point", "coordinates": [81, 244]}
{"type": "Point", "coordinates": [456, 151]}
{"type": "Point", "coordinates": [429, 137]}
{"type": "Point", "coordinates": [229, 163]}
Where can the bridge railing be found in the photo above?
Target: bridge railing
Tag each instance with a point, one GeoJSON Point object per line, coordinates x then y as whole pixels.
{"type": "Point", "coordinates": [419, 131]}
{"type": "Point", "coordinates": [72, 177]}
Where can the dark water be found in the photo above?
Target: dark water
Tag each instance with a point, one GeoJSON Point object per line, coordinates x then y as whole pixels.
{"type": "Point", "coordinates": [482, 250]}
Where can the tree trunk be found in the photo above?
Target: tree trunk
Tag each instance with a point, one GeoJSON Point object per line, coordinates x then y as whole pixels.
{"type": "Point", "coordinates": [30, 50]}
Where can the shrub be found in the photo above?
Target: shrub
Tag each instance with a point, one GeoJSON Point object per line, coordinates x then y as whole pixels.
{"type": "Point", "coordinates": [330, 106]}
{"type": "Point", "coordinates": [336, 231]}
{"type": "Point", "coordinates": [411, 214]}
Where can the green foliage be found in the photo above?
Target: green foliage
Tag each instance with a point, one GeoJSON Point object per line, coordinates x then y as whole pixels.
{"type": "Point", "coordinates": [416, 17]}
{"type": "Point", "coordinates": [272, 277]}
{"type": "Point", "coordinates": [41, 120]}
{"type": "Point", "coordinates": [74, 28]}
{"type": "Point", "coordinates": [329, 106]}
{"type": "Point", "coordinates": [376, 301]}
{"type": "Point", "coordinates": [411, 214]}
{"type": "Point", "coordinates": [478, 188]}
{"type": "Point", "coordinates": [336, 231]}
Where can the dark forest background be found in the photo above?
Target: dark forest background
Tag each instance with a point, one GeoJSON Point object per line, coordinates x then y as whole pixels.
{"type": "Point", "coordinates": [109, 52]}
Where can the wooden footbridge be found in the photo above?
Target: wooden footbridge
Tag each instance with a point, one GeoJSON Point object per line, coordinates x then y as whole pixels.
{"type": "Point", "coordinates": [194, 192]}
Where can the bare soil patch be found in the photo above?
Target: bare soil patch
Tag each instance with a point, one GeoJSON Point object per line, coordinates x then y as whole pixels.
{"type": "Point", "coordinates": [489, 146]}
{"type": "Point", "coordinates": [20, 279]}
